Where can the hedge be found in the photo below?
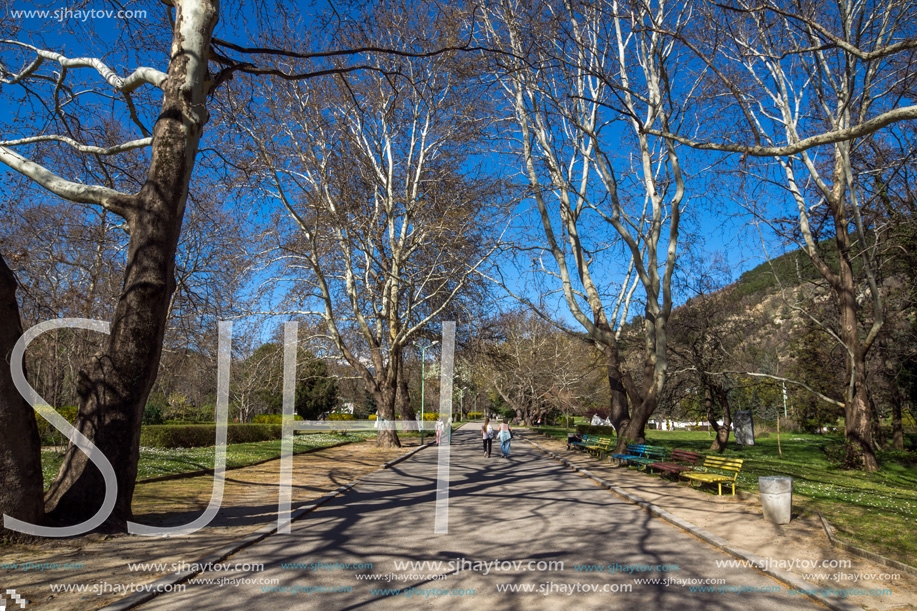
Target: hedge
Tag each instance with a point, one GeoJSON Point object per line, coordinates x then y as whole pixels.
{"type": "Point", "coordinates": [272, 418]}
{"type": "Point", "coordinates": [602, 431]}
{"type": "Point", "coordinates": [204, 435]}
{"type": "Point", "coordinates": [341, 417]}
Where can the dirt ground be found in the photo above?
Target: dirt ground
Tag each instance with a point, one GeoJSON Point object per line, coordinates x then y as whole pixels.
{"type": "Point", "coordinates": [741, 522]}
{"type": "Point", "coordinates": [249, 502]}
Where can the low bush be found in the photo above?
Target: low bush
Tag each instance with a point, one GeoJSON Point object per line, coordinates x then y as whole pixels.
{"type": "Point", "coordinates": [203, 435]}
{"type": "Point", "coordinates": [341, 417]}
{"type": "Point", "coordinates": [272, 418]}
{"type": "Point", "coordinates": [50, 436]}
{"type": "Point", "coordinates": [601, 431]}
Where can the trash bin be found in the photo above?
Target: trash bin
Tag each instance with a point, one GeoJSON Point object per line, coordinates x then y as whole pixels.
{"type": "Point", "coordinates": [776, 498]}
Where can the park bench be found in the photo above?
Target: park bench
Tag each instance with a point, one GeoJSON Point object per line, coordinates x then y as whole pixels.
{"type": "Point", "coordinates": [634, 450]}
{"type": "Point", "coordinates": [588, 440]}
{"type": "Point", "coordinates": [715, 470]}
{"type": "Point", "coordinates": [600, 447]}
{"type": "Point", "coordinates": [680, 460]}
{"type": "Point", "coordinates": [648, 455]}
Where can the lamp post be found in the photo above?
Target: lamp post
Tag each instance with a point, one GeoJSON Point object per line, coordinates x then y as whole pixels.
{"type": "Point", "coordinates": [423, 377]}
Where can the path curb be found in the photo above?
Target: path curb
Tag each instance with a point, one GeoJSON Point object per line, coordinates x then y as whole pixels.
{"type": "Point", "coordinates": [708, 537]}
{"type": "Point", "coordinates": [241, 543]}
{"type": "Point", "coordinates": [858, 551]}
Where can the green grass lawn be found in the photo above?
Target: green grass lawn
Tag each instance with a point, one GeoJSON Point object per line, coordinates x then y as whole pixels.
{"type": "Point", "coordinates": [875, 511]}
{"type": "Point", "coordinates": [155, 462]}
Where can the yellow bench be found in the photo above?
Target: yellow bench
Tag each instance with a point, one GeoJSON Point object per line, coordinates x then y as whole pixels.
{"type": "Point", "coordinates": [719, 464]}
{"type": "Point", "coordinates": [600, 447]}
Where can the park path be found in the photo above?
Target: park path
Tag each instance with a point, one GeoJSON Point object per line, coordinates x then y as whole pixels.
{"type": "Point", "coordinates": [526, 509]}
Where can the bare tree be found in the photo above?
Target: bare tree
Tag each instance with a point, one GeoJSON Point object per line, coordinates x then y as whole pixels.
{"type": "Point", "coordinates": [386, 223]}
{"type": "Point", "coordinates": [813, 82]}
{"type": "Point", "coordinates": [534, 367]}
{"type": "Point", "coordinates": [586, 81]}
{"type": "Point", "coordinates": [116, 382]}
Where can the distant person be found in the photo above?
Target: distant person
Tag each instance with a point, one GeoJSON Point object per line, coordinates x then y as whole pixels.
{"type": "Point", "coordinates": [505, 434]}
{"type": "Point", "coordinates": [487, 434]}
{"type": "Point", "coordinates": [439, 430]}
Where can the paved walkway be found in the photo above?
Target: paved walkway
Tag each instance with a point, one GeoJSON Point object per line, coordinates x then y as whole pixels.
{"type": "Point", "coordinates": [528, 510]}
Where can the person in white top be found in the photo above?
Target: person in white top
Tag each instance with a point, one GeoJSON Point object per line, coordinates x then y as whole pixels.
{"type": "Point", "coordinates": [439, 430]}
{"type": "Point", "coordinates": [487, 434]}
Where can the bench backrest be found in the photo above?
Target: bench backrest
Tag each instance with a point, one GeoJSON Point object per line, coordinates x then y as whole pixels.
{"type": "Point", "coordinates": [654, 452]}
{"type": "Point", "coordinates": [645, 450]}
{"type": "Point", "coordinates": [604, 442]}
{"type": "Point", "coordinates": [724, 464]}
{"type": "Point", "coordinates": [685, 456]}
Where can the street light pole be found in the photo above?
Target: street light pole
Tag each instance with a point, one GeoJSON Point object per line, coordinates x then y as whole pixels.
{"type": "Point", "coordinates": [423, 378]}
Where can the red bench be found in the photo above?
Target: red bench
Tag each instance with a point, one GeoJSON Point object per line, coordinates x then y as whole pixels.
{"type": "Point", "coordinates": [680, 460]}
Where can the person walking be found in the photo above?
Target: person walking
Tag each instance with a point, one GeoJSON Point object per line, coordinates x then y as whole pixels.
{"type": "Point", "coordinates": [505, 434]}
{"type": "Point", "coordinates": [487, 434]}
{"type": "Point", "coordinates": [439, 430]}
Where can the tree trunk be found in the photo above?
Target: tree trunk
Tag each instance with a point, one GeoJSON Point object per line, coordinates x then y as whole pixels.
{"type": "Point", "coordinates": [20, 447]}
{"type": "Point", "coordinates": [403, 396]}
{"type": "Point", "coordinates": [859, 425]}
{"type": "Point", "coordinates": [635, 431]}
{"type": "Point", "coordinates": [897, 430]}
{"type": "Point", "coordinates": [717, 394]}
{"type": "Point", "coordinates": [618, 406]}
{"type": "Point", "coordinates": [384, 393]}
{"type": "Point", "coordinates": [114, 385]}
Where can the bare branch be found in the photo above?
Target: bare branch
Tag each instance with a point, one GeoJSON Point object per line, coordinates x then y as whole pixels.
{"type": "Point", "coordinates": [83, 148]}
{"type": "Point", "coordinates": [73, 191]}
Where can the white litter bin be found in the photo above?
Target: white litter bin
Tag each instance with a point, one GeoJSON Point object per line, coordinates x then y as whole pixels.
{"type": "Point", "coordinates": [776, 498]}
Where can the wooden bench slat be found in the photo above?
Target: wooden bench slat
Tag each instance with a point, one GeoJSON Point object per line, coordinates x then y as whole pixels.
{"type": "Point", "coordinates": [720, 463]}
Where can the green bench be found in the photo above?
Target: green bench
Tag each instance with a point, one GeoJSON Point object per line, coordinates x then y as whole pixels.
{"type": "Point", "coordinates": [648, 455]}
{"type": "Point", "coordinates": [636, 453]}
{"type": "Point", "coordinates": [587, 440]}
{"type": "Point", "coordinates": [717, 470]}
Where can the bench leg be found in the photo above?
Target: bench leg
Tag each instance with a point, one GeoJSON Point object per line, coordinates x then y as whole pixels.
{"type": "Point", "coordinates": [720, 488]}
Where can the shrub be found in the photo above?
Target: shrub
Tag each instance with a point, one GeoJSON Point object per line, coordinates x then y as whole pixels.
{"type": "Point", "coordinates": [474, 415]}
{"type": "Point", "coordinates": [152, 414]}
{"type": "Point", "coordinates": [341, 417]}
{"type": "Point", "coordinates": [204, 435]}
{"type": "Point", "coordinates": [50, 435]}
{"type": "Point", "coordinates": [272, 418]}
{"type": "Point", "coordinates": [602, 431]}
{"type": "Point", "coordinates": [372, 417]}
